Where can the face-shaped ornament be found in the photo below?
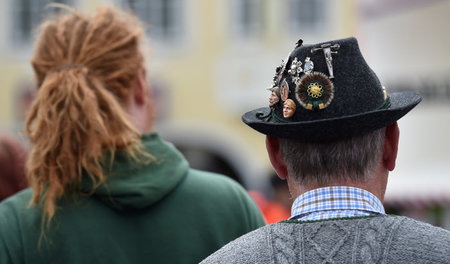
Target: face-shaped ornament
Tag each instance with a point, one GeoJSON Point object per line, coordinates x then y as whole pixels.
{"type": "Point", "coordinates": [289, 108]}
{"type": "Point", "coordinates": [274, 96]}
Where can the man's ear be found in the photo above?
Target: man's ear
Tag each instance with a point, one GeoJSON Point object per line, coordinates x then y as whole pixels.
{"type": "Point", "coordinates": [273, 149]}
{"type": "Point", "coordinates": [391, 146]}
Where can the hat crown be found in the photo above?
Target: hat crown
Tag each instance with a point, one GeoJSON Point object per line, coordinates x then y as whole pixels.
{"type": "Point", "coordinates": [326, 91]}
{"type": "Point", "coordinates": [356, 87]}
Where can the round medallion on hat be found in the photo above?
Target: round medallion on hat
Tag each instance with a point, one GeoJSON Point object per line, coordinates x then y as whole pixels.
{"type": "Point", "coordinates": [284, 90]}
{"type": "Point", "coordinates": [314, 91]}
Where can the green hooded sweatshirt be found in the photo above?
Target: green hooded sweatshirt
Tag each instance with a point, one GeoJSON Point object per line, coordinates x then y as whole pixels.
{"type": "Point", "coordinates": [162, 212]}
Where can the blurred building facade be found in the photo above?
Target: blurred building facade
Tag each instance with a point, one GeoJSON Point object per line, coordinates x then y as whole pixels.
{"type": "Point", "coordinates": [206, 65]}
{"type": "Point", "coordinates": [212, 60]}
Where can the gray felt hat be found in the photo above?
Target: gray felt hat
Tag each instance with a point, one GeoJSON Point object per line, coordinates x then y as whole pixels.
{"type": "Point", "coordinates": [325, 92]}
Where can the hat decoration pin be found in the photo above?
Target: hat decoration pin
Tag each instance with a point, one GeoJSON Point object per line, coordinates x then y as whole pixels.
{"type": "Point", "coordinates": [326, 91]}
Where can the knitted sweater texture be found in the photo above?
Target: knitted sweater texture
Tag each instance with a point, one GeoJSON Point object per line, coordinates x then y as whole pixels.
{"type": "Point", "coordinates": [379, 239]}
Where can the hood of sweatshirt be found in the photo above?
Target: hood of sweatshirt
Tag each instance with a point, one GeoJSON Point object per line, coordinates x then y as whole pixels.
{"type": "Point", "coordinates": [136, 185]}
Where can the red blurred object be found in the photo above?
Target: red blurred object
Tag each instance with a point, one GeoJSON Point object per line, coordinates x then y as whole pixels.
{"type": "Point", "coordinates": [12, 166]}
{"type": "Point", "coordinates": [272, 211]}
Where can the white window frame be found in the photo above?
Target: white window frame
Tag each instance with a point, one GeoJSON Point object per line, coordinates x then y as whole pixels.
{"type": "Point", "coordinates": [163, 19]}
{"type": "Point", "coordinates": [307, 16]}
{"type": "Point", "coordinates": [35, 12]}
{"type": "Point", "coordinates": [247, 18]}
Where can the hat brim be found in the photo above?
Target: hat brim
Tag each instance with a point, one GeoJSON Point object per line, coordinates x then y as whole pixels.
{"type": "Point", "coordinates": [338, 127]}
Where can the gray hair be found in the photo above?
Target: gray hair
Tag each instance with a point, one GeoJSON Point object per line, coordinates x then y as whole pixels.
{"type": "Point", "coordinates": [320, 164]}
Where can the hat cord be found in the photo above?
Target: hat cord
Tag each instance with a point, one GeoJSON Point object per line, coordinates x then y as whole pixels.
{"type": "Point", "coordinates": [385, 105]}
{"type": "Point", "coordinates": [260, 115]}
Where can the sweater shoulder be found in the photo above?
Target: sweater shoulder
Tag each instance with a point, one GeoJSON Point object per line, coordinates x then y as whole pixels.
{"type": "Point", "coordinates": [211, 179]}
{"type": "Point", "coordinates": [421, 228]}
{"type": "Point", "coordinates": [14, 215]}
{"type": "Point", "coordinates": [414, 240]}
{"type": "Point", "coordinates": [15, 205]}
{"type": "Point", "coordinates": [221, 198]}
{"type": "Point", "coordinates": [207, 185]}
{"type": "Point", "coordinates": [252, 247]}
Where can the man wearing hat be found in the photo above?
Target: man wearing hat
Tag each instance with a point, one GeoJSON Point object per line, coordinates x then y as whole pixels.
{"type": "Point", "coordinates": [335, 151]}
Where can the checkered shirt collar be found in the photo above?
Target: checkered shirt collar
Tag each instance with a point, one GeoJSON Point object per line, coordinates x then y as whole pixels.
{"type": "Point", "coordinates": [336, 201]}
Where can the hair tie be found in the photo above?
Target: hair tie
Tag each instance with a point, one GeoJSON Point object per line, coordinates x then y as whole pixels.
{"type": "Point", "coordinates": [70, 66]}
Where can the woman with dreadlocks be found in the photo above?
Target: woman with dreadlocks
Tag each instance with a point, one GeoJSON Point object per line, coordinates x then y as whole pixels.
{"type": "Point", "coordinates": [105, 188]}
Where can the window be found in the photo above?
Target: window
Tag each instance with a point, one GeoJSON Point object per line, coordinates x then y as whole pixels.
{"type": "Point", "coordinates": [247, 18]}
{"type": "Point", "coordinates": [27, 15]}
{"type": "Point", "coordinates": [307, 15]}
{"type": "Point", "coordinates": [163, 18]}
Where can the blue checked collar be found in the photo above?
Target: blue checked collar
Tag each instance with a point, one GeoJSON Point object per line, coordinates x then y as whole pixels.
{"type": "Point", "coordinates": [335, 202]}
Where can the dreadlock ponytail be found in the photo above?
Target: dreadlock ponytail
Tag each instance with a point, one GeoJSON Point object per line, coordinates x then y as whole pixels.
{"type": "Point", "coordinates": [85, 67]}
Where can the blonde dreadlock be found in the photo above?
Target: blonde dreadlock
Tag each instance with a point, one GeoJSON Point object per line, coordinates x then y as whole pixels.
{"type": "Point", "coordinates": [84, 66]}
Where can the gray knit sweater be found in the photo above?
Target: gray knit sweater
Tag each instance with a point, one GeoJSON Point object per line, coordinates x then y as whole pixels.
{"type": "Point", "coordinates": [377, 239]}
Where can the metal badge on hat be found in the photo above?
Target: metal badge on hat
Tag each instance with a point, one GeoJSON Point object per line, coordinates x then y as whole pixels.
{"type": "Point", "coordinates": [280, 70]}
{"type": "Point", "coordinates": [284, 90]}
{"type": "Point", "coordinates": [314, 90]}
{"type": "Point", "coordinates": [309, 65]}
{"type": "Point", "coordinates": [295, 70]}
{"type": "Point", "coordinates": [327, 51]}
